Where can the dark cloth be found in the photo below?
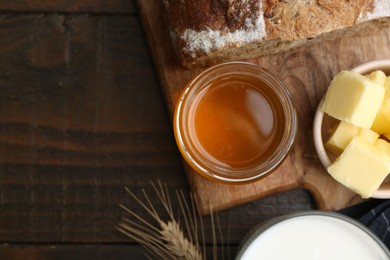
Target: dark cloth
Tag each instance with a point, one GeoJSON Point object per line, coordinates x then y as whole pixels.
{"type": "Point", "coordinates": [378, 221]}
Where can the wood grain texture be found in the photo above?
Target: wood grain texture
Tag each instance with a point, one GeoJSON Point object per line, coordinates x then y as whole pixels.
{"type": "Point", "coordinates": [68, 6]}
{"type": "Point", "coordinates": [307, 72]}
{"type": "Point", "coordinates": [59, 251]}
{"type": "Point", "coordinates": [92, 251]}
{"type": "Point", "coordinates": [81, 117]}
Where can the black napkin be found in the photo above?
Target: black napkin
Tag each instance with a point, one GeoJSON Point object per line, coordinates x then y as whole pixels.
{"type": "Point", "coordinates": [378, 221]}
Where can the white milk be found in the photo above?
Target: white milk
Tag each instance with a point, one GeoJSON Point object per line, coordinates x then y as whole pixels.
{"type": "Point", "coordinates": [314, 237]}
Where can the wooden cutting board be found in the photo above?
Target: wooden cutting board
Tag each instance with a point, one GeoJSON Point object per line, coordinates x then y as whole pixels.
{"type": "Point", "coordinates": [307, 72]}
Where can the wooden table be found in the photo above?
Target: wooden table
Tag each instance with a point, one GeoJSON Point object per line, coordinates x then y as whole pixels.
{"type": "Point", "coordinates": [82, 117]}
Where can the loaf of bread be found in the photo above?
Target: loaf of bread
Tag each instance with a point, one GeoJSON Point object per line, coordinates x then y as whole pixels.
{"type": "Point", "coordinates": [205, 32]}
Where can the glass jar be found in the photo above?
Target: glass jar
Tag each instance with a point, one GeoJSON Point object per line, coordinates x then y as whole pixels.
{"type": "Point", "coordinates": [235, 122]}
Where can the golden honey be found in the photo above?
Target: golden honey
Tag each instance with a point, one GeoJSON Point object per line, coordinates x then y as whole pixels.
{"type": "Point", "coordinates": [232, 125]}
{"type": "Point", "coordinates": [236, 123]}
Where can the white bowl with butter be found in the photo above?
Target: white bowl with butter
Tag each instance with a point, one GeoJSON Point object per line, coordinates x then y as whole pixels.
{"type": "Point", "coordinates": [323, 122]}
{"type": "Point", "coordinates": [312, 235]}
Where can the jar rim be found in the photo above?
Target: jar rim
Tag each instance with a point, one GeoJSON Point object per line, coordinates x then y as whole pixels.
{"type": "Point", "coordinates": [242, 175]}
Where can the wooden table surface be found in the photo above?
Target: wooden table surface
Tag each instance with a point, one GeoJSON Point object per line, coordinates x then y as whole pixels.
{"type": "Point", "coordinates": [82, 117]}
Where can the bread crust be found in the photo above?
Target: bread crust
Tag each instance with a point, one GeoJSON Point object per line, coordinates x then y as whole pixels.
{"type": "Point", "coordinates": [205, 32]}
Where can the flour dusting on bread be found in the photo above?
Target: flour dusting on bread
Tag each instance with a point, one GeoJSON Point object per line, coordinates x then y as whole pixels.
{"type": "Point", "coordinates": [381, 9]}
{"type": "Point", "coordinates": [210, 40]}
{"type": "Point", "coordinates": [205, 32]}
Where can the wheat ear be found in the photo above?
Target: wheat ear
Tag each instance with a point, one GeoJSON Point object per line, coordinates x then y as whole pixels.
{"type": "Point", "coordinates": [165, 239]}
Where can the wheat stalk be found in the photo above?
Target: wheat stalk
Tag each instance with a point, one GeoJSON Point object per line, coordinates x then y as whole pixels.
{"type": "Point", "coordinates": [167, 239]}
{"type": "Point", "coordinates": [177, 243]}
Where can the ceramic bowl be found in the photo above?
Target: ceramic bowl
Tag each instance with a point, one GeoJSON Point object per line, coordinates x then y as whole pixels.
{"type": "Point", "coordinates": [323, 122]}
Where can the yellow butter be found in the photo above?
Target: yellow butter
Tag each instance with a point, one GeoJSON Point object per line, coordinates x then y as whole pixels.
{"type": "Point", "coordinates": [384, 146]}
{"type": "Point", "coordinates": [385, 105]}
{"type": "Point", "coordinates": [378, 76]}
{"type": "Point", "coordinates": [381, 123]}
{"type": "Point", "coordinates": [353, 98]}
{"type": "Point", "coordinates": [387, 135]}
{"type": "Point", "coordinates": [369, 135]}
{"type": "Point", "coordinates": [362, 167]}
{"type": "Point", "coordinates": [341, 136]}
{"type": "Point", "coordinates": [387, 83]}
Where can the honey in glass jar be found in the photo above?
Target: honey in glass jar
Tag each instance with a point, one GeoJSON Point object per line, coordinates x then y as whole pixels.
{"type": "Point", "coordinates": [235, 122]}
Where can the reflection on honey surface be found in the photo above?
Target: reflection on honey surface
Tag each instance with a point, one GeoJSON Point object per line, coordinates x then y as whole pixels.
{"type": "Point", "coordinates": [236, 121]}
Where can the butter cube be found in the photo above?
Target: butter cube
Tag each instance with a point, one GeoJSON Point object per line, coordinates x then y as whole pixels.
{"type": "Point", "coordinates": [385, 105]}
{"type": "Point", "coordinates": [353, 98]}
{"type": "Point", "coordinates": [384, 146]}
{"type": "Point", "coordinates": [382, 120]}
{"type": "Point", "coordinates": [362, 167]}
{"type": "Point", "coordinates": [378, 76]}
{"type": "Point", "coordinates": [387, 83]}
{"type": "Point", "coordinates": [369, 135]}
{"type": "Point", "coordinates": [342, 135]}
{"type": "Point", "coordinates": [387, 135]}
{"type": "Point", "coordinates": [381, 125]}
